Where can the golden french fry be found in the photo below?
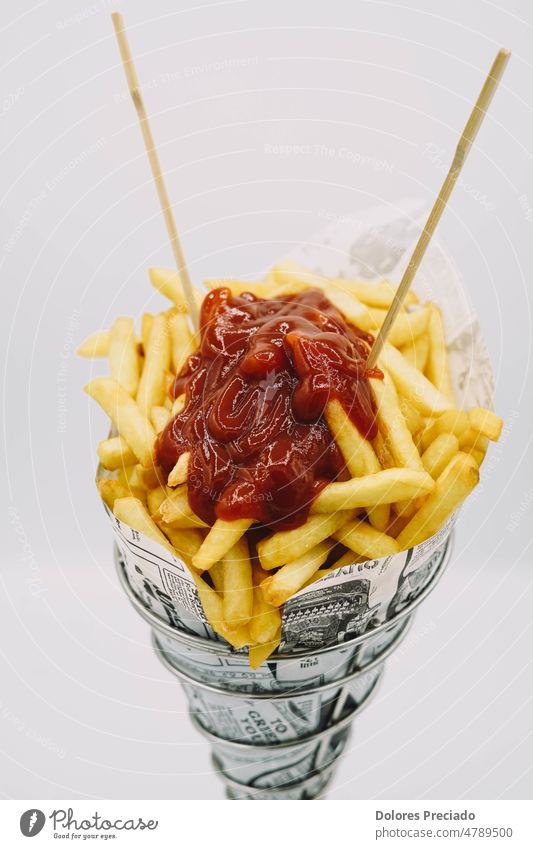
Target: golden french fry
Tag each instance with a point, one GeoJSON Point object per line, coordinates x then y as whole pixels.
{"type": "Point", "coordinates": [384, 487]}
{"type": "Point", "coordinates": [284, 546]}
{"type": "Point", "coordinates": [216, 573]}
{"type": "Point", "coordinates": [167, 281]}
{"type": "Point", "coordinates": [110, 490]}
{"type": "Point", "coordinates": [413, 385]}
{"type": "Point", "coordinates": [416, 352]}
{"type": "Point", "coordinates": [407, 325]}
{"type": "Point", "coordinates": [114, 453]}
{"type": "Point", "coordinates": [221, 537]}
{"type": "Point", "coordinates": [257, 655]}
{"type": "Point", "coordinates": [451, 488]}
{"type": "Point", "coordinates": [159, 417]}
{"type": "Point", "coordinates": [485, 423]}
{"type": "Point", "coordinates": [152, 386]}
{"type": "Point", "coordinates": [454, 421]}
{"type": "Point", "coordinates": [358, 454]}
{"type": "Point", "coordinates": [413, 419]}
{"type": "Point", "coordinates": [386, 460]}
{"type": "Point", "coordinates": [266, 619]}
{"type": "Point", "coordinates": [212, 607]}
{"type": "Point", "coordinates": [133, 512]}
{"type": "Point", "coordinates": [180, 472]}
{"type": "Point", "coordinates": [477, 454]}
{"type": "Point", "coordinates": [437, 370]}
{"type": "Point", "coordinates": [123, 356]}
{"type": "Point", "coordinates": [154, 499]}
{"type": "Point", "coordinates": [96, 345]}
{"type": "Point", "coordinates": [178, 406]}
{"type": "Point", "coordinates": [439, 453]}
{"type": "Point", "coordinates": [238, 596]}
{"type": "Point", "coordinates": [146, 329]}
{"type": "Point", "coordinates": [131, 424]}
{"type": "Point", "coordinates": [366, 541]}
{"type": "Point", "coordinates": [185, 541]}
{"type": "Point", "coordinates": [392, 425]}
{"type": "Point", "coordinates": [176, 511]}
{"type": "Point", "coordinates": [284, 583]}
{"type": "Point", "coordinates": [379, 294]}
{"type": "Point", "coordinates": [182, 343]}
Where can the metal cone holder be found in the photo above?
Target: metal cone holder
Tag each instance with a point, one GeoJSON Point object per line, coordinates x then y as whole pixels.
{"type": "Point", "coordinates": [278, 732]}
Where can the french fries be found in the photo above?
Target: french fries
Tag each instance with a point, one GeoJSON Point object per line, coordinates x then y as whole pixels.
{"type": "Point", "coordinates": [125, 414]}
{"type": "Point", "coordinates": [284, 546]}
{"type": "Point", "coordinates": [457, 481]}
{"type": "Point", "coordinates": [290, 578]}
{"type": "Point", "coordinates": [123, 357]}
{"type": "Point", "coordinates": [395, 491]}
{"type": "Point", "coordinates": [115, 453]}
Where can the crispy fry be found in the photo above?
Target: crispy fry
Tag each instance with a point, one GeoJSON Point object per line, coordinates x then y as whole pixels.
{"type": "Point", "coordinates": [378, 294]}
{"type": "Point", "coordinates": [413, 385]}
{"type": "Point", "coordinates": [284, 546]}
{"type": "Point", "coordinates": [416, 352]}
{"type": "Point", "coordinates": [406, 328]}
{"type": "Point", "coordinates": [180, 472]}
{"type": "Point", "coordinates": [176, 511]}
{"type": "Point", "coordinates": [133, 512]}
{"type": "Point", "coordinates": [154, 499]}
{"type": "Point", "coordinates": [212, 607]}
{"type": "Point", "coordinates": [451, 488]}
{"type": "Point", "coordinates": [284, 583]}
{"type": "Point", "coordinates": [110, 490]}
{"type": "Point", "coordinates": [257, 655]}
{"type": "Point", "coordinates": [146, 329]}
{"type": "Point", "coordinates": [413, 419]}
{"type": "Point", "coordinates": [437, 370]}
{"type": "Point", "coordinates": [114, 453]}
{"type": "Point", "coordinates": [159, 417]}
{"type": "Point", "coordinates": [392, 425]}
{"type": "Point", "coordinates": [358, 454]}
{"type": "Point", "coordinates": [167, 281]}
{"type": "Point", "coordinates": [123, 356]}
{"type": "Point", "coordinates": [186, 541]}
{"type": "Point", "coordinates": [222, 536]}
{"type": "Point", "coordinates": [125, 415]}
{"type": "Point", "coordinates": [266, 619]}
{"type": "Point", "coordinates": [366, 541]}
{"type": "Point", "coordinates": [152, 386]}
{"type": "Point", "coordinates": [384, 487]}
{"type": "Point", "coordinates": [178, 405]}
{"type": "Point", "coordinates": [454, 421]}
{"type": "Point", "coordinates": [485, 423]}
{"type": "Point", "coordinates": [96, 345]}
{"type": "Point", "coordinates": [182, 343]}
{"type": "Point", "coordinates": [238, 597]}
{"type": "Point", "coordinates": [439, 453]}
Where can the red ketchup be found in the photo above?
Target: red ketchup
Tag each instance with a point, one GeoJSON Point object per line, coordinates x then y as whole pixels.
{"type": "Point", "coordinates": [255, 394]}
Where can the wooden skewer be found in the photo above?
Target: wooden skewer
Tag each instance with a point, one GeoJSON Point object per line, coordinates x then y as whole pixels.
{"type": "Point", "coordinates": [136, 96]}
{"type": "Point", "coordinates": [465, 143]}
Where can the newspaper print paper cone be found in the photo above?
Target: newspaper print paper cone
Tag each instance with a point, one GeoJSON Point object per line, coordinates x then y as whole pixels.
{"type": "Point", "coordinates": [218, 663]}
{"type": "Point", "coordinates": [279, 765]}
{"type": "Point", "coordinates": [273, 718]}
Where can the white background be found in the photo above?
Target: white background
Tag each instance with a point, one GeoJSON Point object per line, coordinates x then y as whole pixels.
{"type": "Point", "coordinates": [382, 89]}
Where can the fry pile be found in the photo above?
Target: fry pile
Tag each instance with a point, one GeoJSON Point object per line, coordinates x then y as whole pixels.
{"type": "Point", "coordinates": [402, 486]}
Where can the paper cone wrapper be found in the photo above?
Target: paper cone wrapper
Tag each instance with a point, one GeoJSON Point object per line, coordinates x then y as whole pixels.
{"type": "Point", "coordinates": [280, 766]}
{"type": "Point", "coordinates": [345, 603]}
